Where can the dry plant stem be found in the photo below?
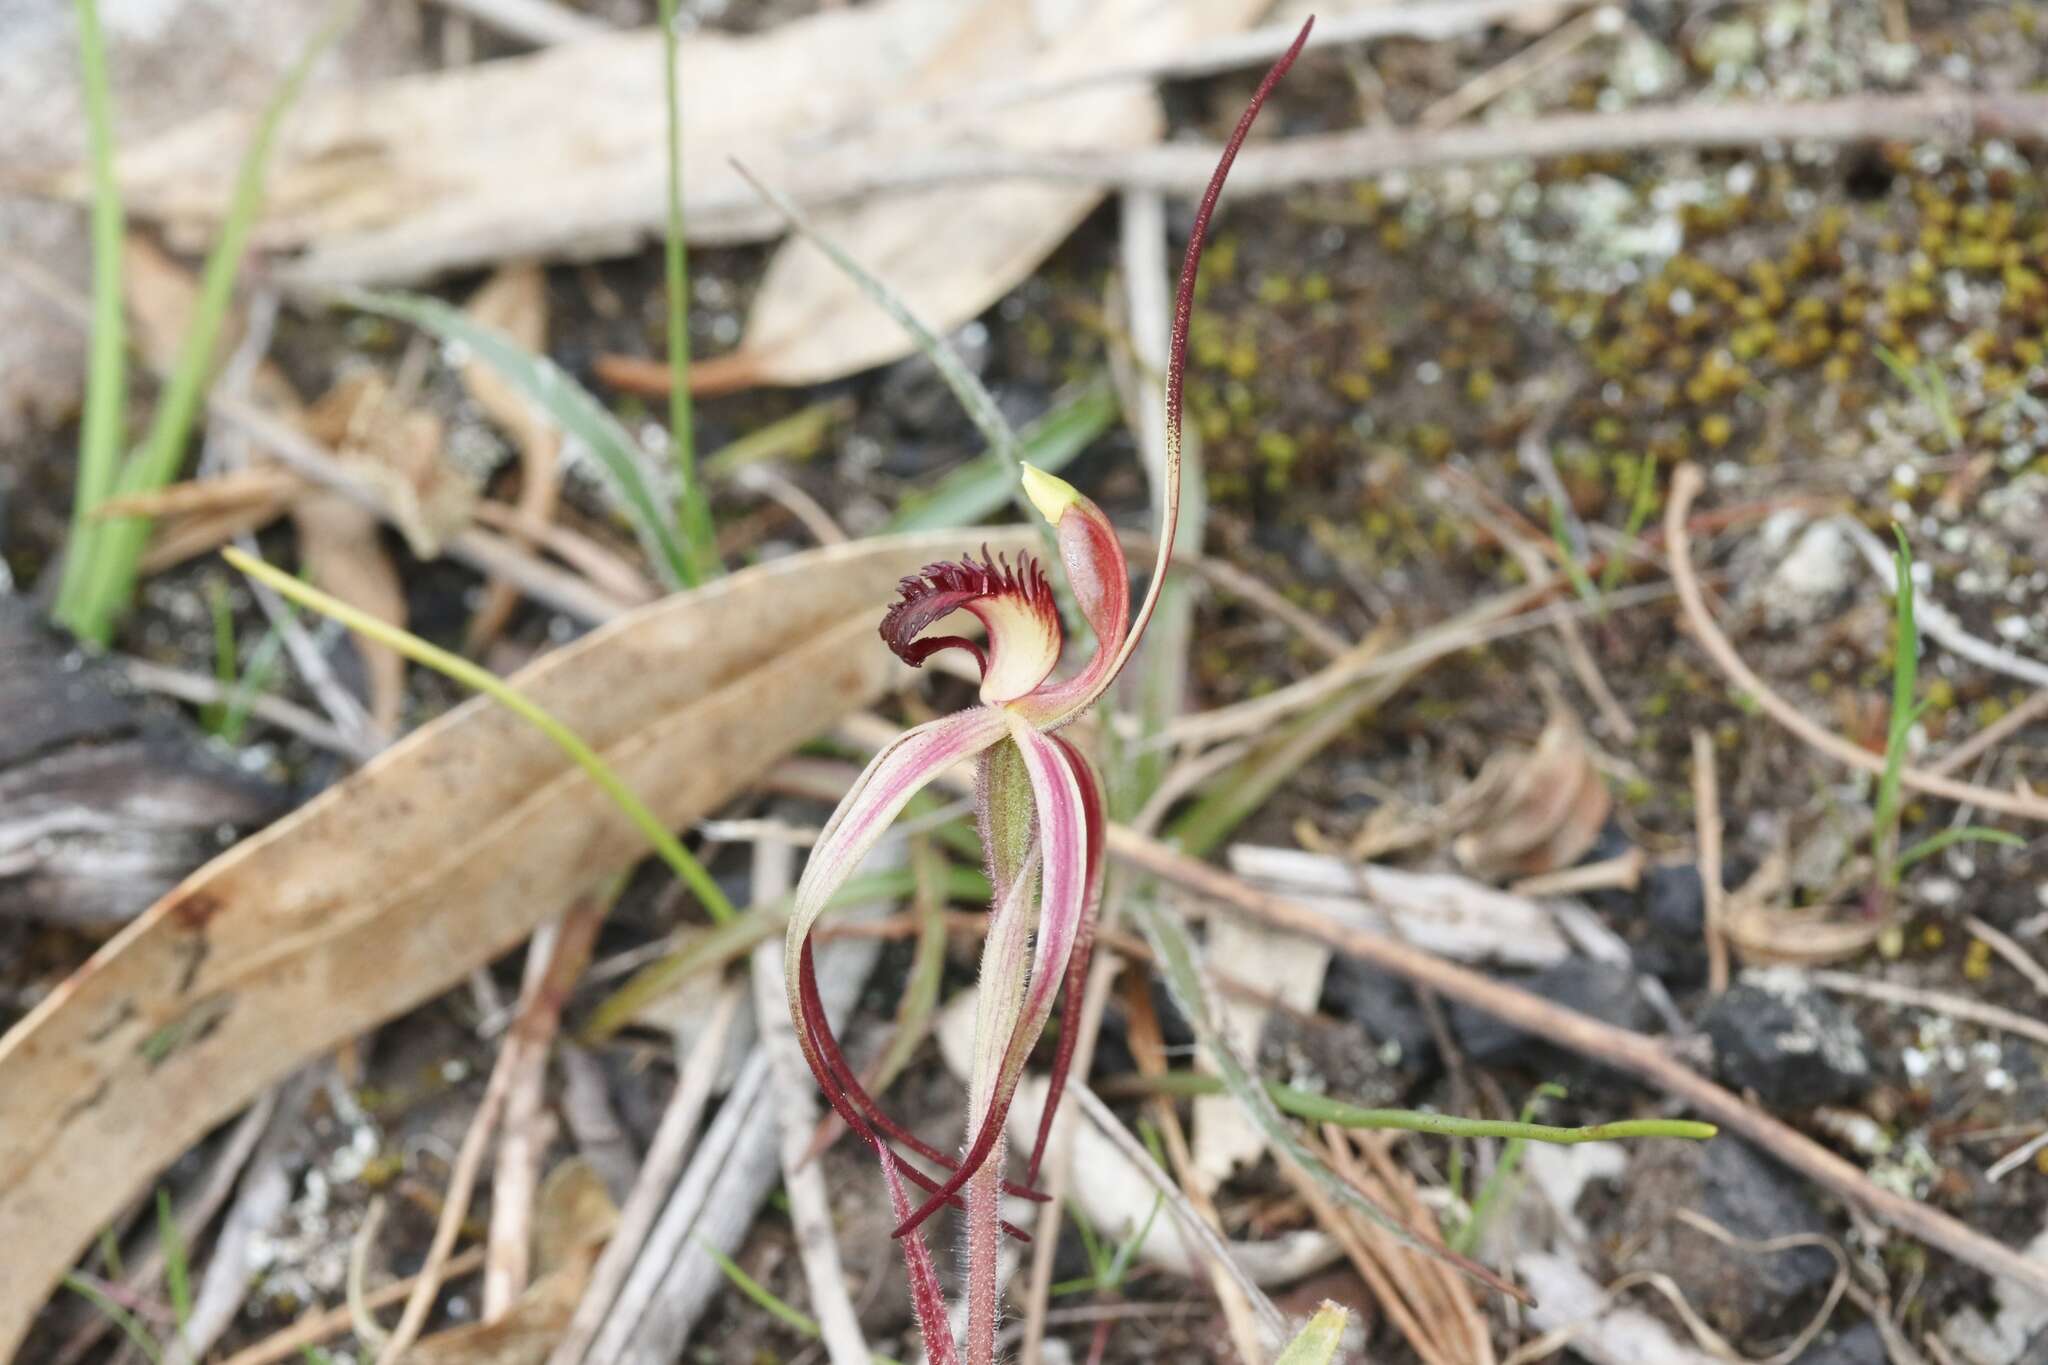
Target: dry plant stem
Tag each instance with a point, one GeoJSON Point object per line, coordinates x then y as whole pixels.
{"type": "Point", "coordinates": [2028, 712]}
{"type": "Point", "coordinates": [609, 571]}
{"type": "Point", "coordinates": [670, 1148]}
{"type": "Point", "coordinates": [221, 1176]}
{"type": "Point", "coordinates": [2017, 1157]}
{"type": "Point", "coordinates": [1449, 1293]}
{"type": "Point", "coordinates": [1102, 976]}
{"type": "Point", "coordinates": [1642, 1057]}
{"type": "Point", "coordinates": [540, 22]}
{"type": "Point", "coordinates": [492, 554]}
{"type": "Point", "coordinates": [1198, 1233]}
{"type": "Point", "coordinates": [555, 960]}
{"type": "Point", "coordinates": [469, 1160]}
{"type": "Point", "coordinates": [1938, 623]}
{"type": "Point", "coordinates": [1952, 118]}
{"type": "Point", "coordinates": [314, 1328]}
{"type": "Point", "coordinates": [810, 1203]}
{"type": "Point", "coordinates": [1148, 1048]}
{"type": "Point", "coordinates": [539, 1014]}
{"type": "Point", "coordinates": [265, 1192]}
{"type": "Point", "coordinates": [1685, 486]}
{"type": "Point", "coordinates": [480, 549]}
{"type": "Point", "coordinates": [202, 690]}
{"type": "Point", "coordinates": [1937, 1002]}
{"type": "Point", "coordinates": [348, 714]}
{"type": "Point", "coordinates": [1706, 805]}
{"type": "Point", "coordinates": [2014, 955]}
{"type": "Point", "coordinates": [1496, 81]}
{"type": "Point", "coordinates": [1354, 1235]}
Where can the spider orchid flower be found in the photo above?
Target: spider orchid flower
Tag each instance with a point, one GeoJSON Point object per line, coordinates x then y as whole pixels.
{"type": "Point", "coordinates": [1038, 800]}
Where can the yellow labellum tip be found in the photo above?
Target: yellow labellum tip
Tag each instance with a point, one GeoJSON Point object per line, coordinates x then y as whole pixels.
{"type": "Point", "coordinates": [1049, 493]}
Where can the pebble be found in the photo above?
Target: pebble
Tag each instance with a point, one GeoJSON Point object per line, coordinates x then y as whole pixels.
{"type": "Point", "coordinates": [1808, 585]}
{"type": "Point", "coordinates": [1795, 1047]}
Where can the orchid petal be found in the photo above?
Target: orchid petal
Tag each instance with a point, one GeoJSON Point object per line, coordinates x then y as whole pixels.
{"type": "Point", "coordinates": [1094, 562]}
{"type": "Point", "coordinates": [1015, 604]}
{"type": "Point", "coordinates": [1063, 894]}
{"type": "Point", "coordinates": [898, 773]}
{"type": "Point", "coordinates": [926, 1296]}
{"type": "Point", "coordinates": [1078, 960]}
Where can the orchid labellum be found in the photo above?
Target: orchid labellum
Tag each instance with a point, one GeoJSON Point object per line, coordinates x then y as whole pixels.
{"type": "Point", "coordinates": [1040, 808]}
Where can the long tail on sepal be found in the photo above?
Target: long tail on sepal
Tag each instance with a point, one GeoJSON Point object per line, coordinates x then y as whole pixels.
{"type": "Point", "coordinates": [1177, 349]}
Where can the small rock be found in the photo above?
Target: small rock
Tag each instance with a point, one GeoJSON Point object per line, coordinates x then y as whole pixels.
{"type": "Point", "coordinates": [1862, 1344]}
{"type": "Point", "coordinates": [1744, 1295]}
{"type": "Point", "coordinates": [1604, 990]}
{"type": "Point", "coordinates": [1796, 1048]}
{"type": "Point", "coordinates": [1386, 1008]}
{"type": "Point", "coordinates": [1808, 585]}
{"type": "Point", "coordinates": [1674, 905]}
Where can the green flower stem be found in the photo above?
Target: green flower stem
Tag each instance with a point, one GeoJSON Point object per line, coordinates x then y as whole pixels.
{"type": "Point", "coordinates": [699, 542]}
{"type": "Point", "coordinates": [461, 670]}
{"type": "Point", "coordinates": [1305, 1104]}
{"type": "Point", "coordinates": [99, 441]}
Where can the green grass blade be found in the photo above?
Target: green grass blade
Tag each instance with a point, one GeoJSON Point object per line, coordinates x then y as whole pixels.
{"type": "Point", "coordinates": [458, 669]}
{"type": "Point", "coordinates": [982, 485]}
{"type": "Point", "coordinates": [973, 396]}
{"type": "Point", "coordinates": [177, 1263]}
{"type": "Point", "coordinates": [1176, 960]}
{"type": "Point", "coordinates": [574, 409]}
{"type": "Point", "coordinates": [795, 437]}
{"type": "Point", "coordinates": [767, 1300]}
{"type": "Point", "coordinates": [99, 434]}
{"type": "Point", "coordinates": [1898, 729]}
{"type": "Point", "coordinates": [1574, 569]}
{"type": "Point", "coordinates": [1499, 1184]}
{"type": "Point", "coordinates": [1317, 1343]}
{"type": "Point", "coordinates": [116, 552]}
{"type": "Point", "coordinates": [1977, 834]}
{"type": "Point", "coordinates": [264, 662]}
{"type": "Point", "coordinates": [693, 506]}
{"type": "Point", "coordinates": [1306, 1104]}
{"type": "Point", "coordinates": [1642, 504]}
{"type": "Point", "coordinates": [130, 1325]}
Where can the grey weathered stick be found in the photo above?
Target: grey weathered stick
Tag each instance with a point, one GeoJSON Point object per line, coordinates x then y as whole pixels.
{"type": "Point", "coordinates": [1198, 1233]}
{"type": "Point", "coordinates": [1645, 1058]}
{"type": "Point", "coordinates": [266, 1191]}
{"type": "Point", "coordinates": [715, 1203]}
{"type": "Point", "coordinates": [657, 1178]}
{"type": "Point", "coordinates": [794, 1096]}
{"type": "Point", "coordinates": [540, 22]}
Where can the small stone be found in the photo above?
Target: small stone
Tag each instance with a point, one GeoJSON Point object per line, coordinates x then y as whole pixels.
{"type": "Point", "coordinates": [1745, 1296]}
{"type": "Point", "coordinates": [1676, 900]}
{"type": "Point", "coordinates": [1796, 1048]}
{"type": "Point", "coordinates": [1604, 990]}
{"type": "Point", "coordinates": [1808, 585]}
{"type": "Point", "coordinates": [1386, 1008]}
{"type": "Point", "coordinates": [1862, 1344]}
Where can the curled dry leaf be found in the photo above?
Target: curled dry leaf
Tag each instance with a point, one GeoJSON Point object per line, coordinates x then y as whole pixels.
{"type": "Point", "coordinates": [1534, 811]}
{"type": "Point", "coordinates": [573, 1219]}
{"type": "Point", "coordinates": [1764, 929]}
{"type": "Point", "coordinates": [400, 450]}
{"type": "Point", "coordinates": [515, 301]}
{"type": "Point", "coordinates": [557, 153]}
{"type": "Point", "coordinates": [395, 883]}
{"type": "Point", "coordinates": [951, 252]}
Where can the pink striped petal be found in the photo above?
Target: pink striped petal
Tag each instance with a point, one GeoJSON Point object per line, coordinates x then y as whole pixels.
{"type": "Point", "coordinates": [898, 773]}
{"type": "Point", "coordinates": [1084, 951]}
{"type": "Point", "coordinates": [1063, 895]}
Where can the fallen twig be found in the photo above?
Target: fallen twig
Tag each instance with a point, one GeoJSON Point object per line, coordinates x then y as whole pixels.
{"type": "Point", "coordinates": [1197, 1232]}
{"type": "Point", "coordinates": [540, 22]}
{"type": "Point", "coordinates": [314, 1328]}
{"type": "Point", "coordinates": [803, 1180]}
{"type": "Point", "coordinates": [2015, 956]}
{"type": "Point", "coordinates": [1936, 1002]}
{"type": "Point", "coordinates": [1685, 486]}
{"type": "Point", "coordinates": [266, 1190]}
{"type": "Point", "coordinates": [1706, 814]}
{"type": "Point", "coordinates": [1620, 1048]}
{"type": "Point", "coordinates": [2034, 708]}
{"type": "Point", "coordinates": [665, 1156]}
